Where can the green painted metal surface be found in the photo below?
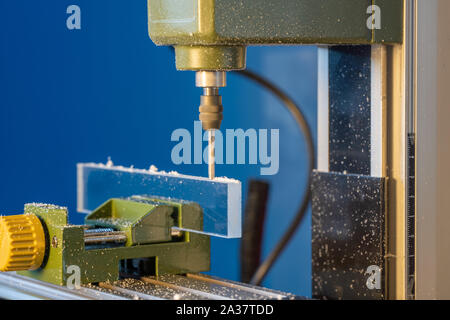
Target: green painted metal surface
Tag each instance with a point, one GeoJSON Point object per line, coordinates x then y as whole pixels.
{"type": "Point", "coordinates": [53, 219]}
{"type": "Point", "coordinates": [147, 223]}
{"type": "Point", "coordinates": [142, 222]}
{"type": "Point", "coordinates": [231, 25]}
{"type": "Point", "coordinates": [391, 22]}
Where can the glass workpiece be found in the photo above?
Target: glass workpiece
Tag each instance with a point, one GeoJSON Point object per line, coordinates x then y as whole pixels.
{"type": "Point", "coordinates": [220, 198]}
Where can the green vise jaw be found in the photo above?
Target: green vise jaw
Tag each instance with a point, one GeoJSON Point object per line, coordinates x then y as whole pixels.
{"type": "Point", "coordinates": [213, 34]}
{"type": "Point", "coordinates": [143, 222]}
{"type": "Point", "coordinates": [147, 224]}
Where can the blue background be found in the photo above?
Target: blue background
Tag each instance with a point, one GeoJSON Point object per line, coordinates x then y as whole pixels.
{"type": "Point", "coordinates": [107, 90]}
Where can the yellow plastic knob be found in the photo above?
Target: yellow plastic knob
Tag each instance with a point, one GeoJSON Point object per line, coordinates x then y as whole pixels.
{"type": "Point", "coordinates": [22, 242]}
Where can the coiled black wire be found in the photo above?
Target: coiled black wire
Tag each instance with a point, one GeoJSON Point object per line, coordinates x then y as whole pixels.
{"type": "Point", "coordinates": [299, 117]}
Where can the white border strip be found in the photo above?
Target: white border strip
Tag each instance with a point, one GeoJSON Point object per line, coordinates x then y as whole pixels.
{"type": "Point", "coordinates": [234, 228]}
{"type": "Point", "coordinates": [323, 111]}
{"type": "Point", "coordinates": [377, 110]}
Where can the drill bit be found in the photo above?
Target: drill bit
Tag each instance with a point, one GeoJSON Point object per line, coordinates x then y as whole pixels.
{"type": "Point", "coordinates": [212, 153]}
{"type": "Point", "coordinates": [211, 109]}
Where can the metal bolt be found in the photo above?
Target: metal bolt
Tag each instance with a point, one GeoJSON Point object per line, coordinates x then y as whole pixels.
{"type": "Point", "coordinates": [176, 233]}
{"type": "Point", "coordinates": [55, 242]}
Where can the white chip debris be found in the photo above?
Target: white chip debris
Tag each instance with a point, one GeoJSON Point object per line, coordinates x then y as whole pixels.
{"type": "Point", "coordinates": [154, 170]}
{"type": "Point", "coordinates": [225, 179]}
{"type": "Point", "coordinates": [109, 163]}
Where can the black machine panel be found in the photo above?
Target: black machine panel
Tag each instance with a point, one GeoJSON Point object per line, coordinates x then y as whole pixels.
{"type": "Point", "coordinates": [348, 236]}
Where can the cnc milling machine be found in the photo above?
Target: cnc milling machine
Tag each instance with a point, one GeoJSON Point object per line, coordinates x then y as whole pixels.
{"type": "Point", "coordinates": [377, 193]}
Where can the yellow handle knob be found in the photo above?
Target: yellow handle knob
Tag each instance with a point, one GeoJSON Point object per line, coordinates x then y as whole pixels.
{"type": "Point", "coordinates": [22, 242]}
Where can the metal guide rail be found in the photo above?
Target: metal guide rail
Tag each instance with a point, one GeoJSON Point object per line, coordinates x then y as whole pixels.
{"type": "Point", "coordinates": [167, 287]}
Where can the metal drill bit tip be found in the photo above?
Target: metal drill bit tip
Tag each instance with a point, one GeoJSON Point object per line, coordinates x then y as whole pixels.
{"type": "Point", "coordinates": [212, 154]}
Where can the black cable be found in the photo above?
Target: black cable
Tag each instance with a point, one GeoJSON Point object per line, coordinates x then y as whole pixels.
{"type": "Point", "coordinates": [253, 228]}
{"type": "Point", "coordinates": [299, 117]}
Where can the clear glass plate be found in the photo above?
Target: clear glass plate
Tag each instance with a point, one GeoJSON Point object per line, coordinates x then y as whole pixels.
{"type": "Point", "coordinates": [220, 198]}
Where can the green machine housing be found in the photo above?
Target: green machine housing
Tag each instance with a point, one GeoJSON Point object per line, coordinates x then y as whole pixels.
{"type": "Point", "coordinates": [148, 246]}
{"type": "Point", "coordinates": [214, 34]}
